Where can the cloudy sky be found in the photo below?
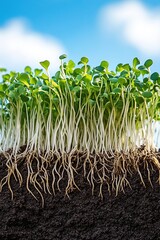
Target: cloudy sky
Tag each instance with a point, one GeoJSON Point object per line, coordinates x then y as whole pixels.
{"type": "Point", "coordinates": [117, 31]}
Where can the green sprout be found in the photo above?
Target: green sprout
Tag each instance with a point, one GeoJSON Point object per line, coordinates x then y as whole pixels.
{"type": "Point", "coordinates": [81, 116]}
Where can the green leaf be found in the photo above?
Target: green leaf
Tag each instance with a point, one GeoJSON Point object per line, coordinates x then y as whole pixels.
{"type": "Point", "coordinates": [124, 73]}
{"type": "Point", "coordinates": [20, 90]}
{"type": "Point", "coordinates": [140, 100]}
{"type": "Point", "coordinates": [57, 75]}
{"type": "Point", "coordinates": [117, 90]}
{"type": "Point", "coordinates": [45, 64]}
{"type": "Point", "coordinates": [145, 80]}
{"type": "Point", "coordinates": [54, 84]}
{"type": "Point", "coordinates": [135, 62]}
{"type": "Point", "coordinates": [28, 69]}
{"type": "Point", "coordinates": [24, 78]}
{"type": "Point", "coordinates": [87, 78]}
{"type": "Point", "coordinates": [24, 98]}
{"type": "Point", "coordinates": [126, 67]}
{"type": "Point", "coordinates": [122, 80]}
{"type": "Point", "coordinates": [33, 80]}
{"type": "Point", "coordinates": [158, 80]}
{"type": "Point", "coordinates": [3, 69]}
{"type": "Point", "coordinates": [77, 71]}
{"type": "Point", "coordinates": [104, 64]}
{"type": "Point", "coordinates": [44, 76]}
{"type": "Point", "coordinates": [142, 67]}
{"type": "Point", "coordinates": [2, 94]}
{"type": "Point", "coordinates": [45, 88]}
{"type": "Point", "coordinates": [91, 101]}
{"type": "Point", "coordinates": [37, 71]}
{"type": "Point", "coordinates": [119, 67]}
{"type": "Point", "coordinates": [84, 60]}
{"type": "Point", "coordinates": [62, 81]}
{"type": "Point", "coordinates": [6, 77]}
{"type": "Point", "coordinates": [71, 64]}
{"type": "Point", "coordinates": [63, 56]}
{"type": "Point", "coordinates": [95, 88]}
{"type": "Point", "coordinates": [113, 80]}
{"type": "Point", "coordinates": [99, 68]}
{"type": "Point", "coordinates": [137, 72]}
{"type": "Point", "coordinates": [3, 87]}
{"type": "Point", "coordinates": [76, 89]}
{"type": "Point", "coordinates": [12, 94]}
{"type": "Point", "coordinates": [11, 87]}
{"type": "Point", "coordinates": [105, 95]}
{"type": "Point", "coordinates": [143, 70]}
{"type": "Point", "coordinates": [148, 63]}
{"type": "Point", "coordinates": [154, 76]}
{"type": "Point", "coordinates": [147, 94]}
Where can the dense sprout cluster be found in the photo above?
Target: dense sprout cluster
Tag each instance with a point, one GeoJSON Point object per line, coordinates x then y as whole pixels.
{"type": "Point", "coordinates": [80, 111]}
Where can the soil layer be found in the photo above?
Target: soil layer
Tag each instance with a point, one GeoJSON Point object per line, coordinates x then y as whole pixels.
{"type": "Point", "coordinates": [133, 215]}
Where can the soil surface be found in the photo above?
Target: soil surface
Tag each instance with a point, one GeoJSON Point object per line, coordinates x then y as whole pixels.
{"type": "Point", "coordinates": [134, 215]}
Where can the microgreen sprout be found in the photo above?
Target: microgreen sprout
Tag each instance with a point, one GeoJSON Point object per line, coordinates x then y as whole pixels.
{"type": "Point", "coordinates": [101, 119]}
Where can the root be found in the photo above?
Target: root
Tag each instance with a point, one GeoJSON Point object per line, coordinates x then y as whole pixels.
{"type": "Point", "coordinates": [46, 172]}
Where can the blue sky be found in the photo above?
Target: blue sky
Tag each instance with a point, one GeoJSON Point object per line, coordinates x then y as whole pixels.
{"type": "Point", "coordinates": [117, 31]}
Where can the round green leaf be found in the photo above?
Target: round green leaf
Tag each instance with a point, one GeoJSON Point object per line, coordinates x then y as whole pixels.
{"type": "Point", "coordinates": [99, 68]}
{"type": "Point", "coordinates": [104, 64]}
{"type": "Point", "coordinates": [113, 80]}
{"type": "Point", "coordinates": [77, 71]}
{"type": "Point", "coordinates": [63, 56]}
{"type": "Point", "coordinates": [119, 67]}
{"type": "Point", "coordinates": [76, 89]}
{"type": "Point", "coordinates": [87, 78]}
{"type": "Point", "coordinates": [24, 78]}
{"type": "Point", "coordinates": [45, 64]}
{"type": "Point", "coordinates": [135, 62]}
{"type": "Point", "coordinates": [84, 60]}
{"type": "Point", "coordinates": [71, 64]}
{"type": "Point", "coordinates": [20, 90]}
{"type": "Point", "coordinates": [122, 80]}
{"type": "Point", "coordinates": [37, 71]}
{"type": "Point", "coordinates": [28, 69]}
{"type": "Point", "coordinates": [148, 63]}
{"type": "Point", "coordinates": [147, 94]}
{"type": "Point", "coordinates": [126, 67]}
{"type": "Point", "coordinates": [117, 90]}
{"type": "Point", "coordinates": [154, 76]}
{"type": "Point", "coordinates": [33, 80]}
{"type": "Point", "coordinates": [44, 76]}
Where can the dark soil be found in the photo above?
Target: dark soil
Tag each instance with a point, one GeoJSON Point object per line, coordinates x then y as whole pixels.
{"type": "Point", "coordinates": [134, 215]}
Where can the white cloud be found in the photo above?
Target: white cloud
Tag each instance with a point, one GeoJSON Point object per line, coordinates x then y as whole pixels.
{"type": "Point", "coordinates": [134, 23]}
{"type": "Point", "coordinates": [20, 46]}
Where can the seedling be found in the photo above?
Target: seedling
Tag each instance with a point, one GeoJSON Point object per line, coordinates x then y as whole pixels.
{"type": "Point", "coordinates": [93, 118]}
